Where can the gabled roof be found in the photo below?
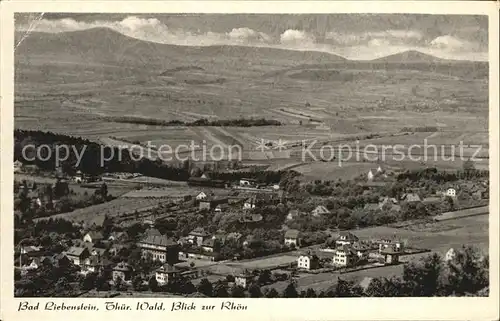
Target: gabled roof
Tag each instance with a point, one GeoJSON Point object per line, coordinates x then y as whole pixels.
{"type": "Point", "coordinates": [209, 243]}
{"type": "Point", "coordinates": [152, 232]}
{"type": "Point", "coordinates": [158, 240]}
{"type": "Point", "coordinates": [76, 251]}
{"type": "Point", "coordinates": [94, 235]}
{"type": "Point", "coordinates": [348, 236]}
{"type": "Point", "coordinates": [292, 234]}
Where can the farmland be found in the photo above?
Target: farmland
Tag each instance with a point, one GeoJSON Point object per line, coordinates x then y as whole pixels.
{"type": "Point", "coordinates": [353, 98]}
{"type": "Point", "coordinates": [115, 208]}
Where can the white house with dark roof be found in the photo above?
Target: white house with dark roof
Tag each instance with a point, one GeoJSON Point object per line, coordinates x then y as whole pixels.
{"type": "Point", "coordinates": [166, 273]}
{"type": "Point", "coordinates": [346, 238]}
{"type": "Point", "coordinates": [201, 196]}
{"type": "Point", "coordinates": [93, 237]}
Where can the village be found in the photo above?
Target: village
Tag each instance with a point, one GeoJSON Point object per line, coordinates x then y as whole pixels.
{"type": "Point", "coordinates": [259, 233]}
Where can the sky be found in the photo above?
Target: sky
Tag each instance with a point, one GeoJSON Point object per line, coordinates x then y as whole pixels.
{"type": "Point", "coordinates": [354, 36]}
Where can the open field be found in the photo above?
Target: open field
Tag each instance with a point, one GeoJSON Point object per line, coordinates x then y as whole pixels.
{"type": "Point", "coordinates": [78, 91]}
{"type": "Point", "coordinates": [115, 208]}
{"type": "Point", "coordinates": [463, 213]}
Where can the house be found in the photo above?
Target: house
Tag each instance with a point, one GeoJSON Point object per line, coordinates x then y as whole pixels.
{"type": "Point", "coordinates": [243, 279]}
{"type": "Point", "coordinates": [57, 260]}
{"type": "Point", "coordinates": [78, 178]}
{"type": "Point", "coordinates": [31, 250]}
{"type": "Point", "coordinates": [370, 175]}
{"type": "Point", "coordinates": [166, 273]}
{"type": "Point", "coordinates": [387, 243]}
{"type": "Point", "coordinates": [201, 196]}
{"type": "Point", "coordinates": [205, 175]}
{"type": "Point", "coordinates": [210, 245]}
{"type": "Point", "coordinates": [77, 254]}
{"type": "Point", "coordinates": [451, 192]}
{"type": "Point", "coordinates": [211, 202]}
{"type": "Point", "coordinates": [93, 237]}
{"type": "Point", "coordinates": [96, 251]}
{"type": "Point", "coordinates": [292, 237]}
{"type": "Point", "coordinates": [198, 236]}
{"type": "Point", "coordinates": [249, 204]}
{"type": "Point", "coordinates": [160, 248]}
{"type": "Point", "coordinates": [122, 271]}
{"type": "Point", "coordinates": [411, 198]}
{"type": "Point", "coordinates": [346, 238]}
{"type": "Point", "coordinates": [320, 210]}
{"type": "Point", "coordinates": [308, 262]}
{"type": "Point", "coordinates": [345, 256]}
{"type": "Point", "coordinates": [391, 255]}
{"type": "Point", "coordinates": [293, 214]}
{"type": "Point", "coordinates": [362, 250]}
{"type": "Point", "coordinates": [450, 255]}
{"type": "Point", "coordinates": [92, 264]}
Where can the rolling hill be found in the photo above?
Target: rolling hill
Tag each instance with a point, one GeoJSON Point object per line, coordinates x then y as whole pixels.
{"type": "Point", "coordinates": [103, 45]}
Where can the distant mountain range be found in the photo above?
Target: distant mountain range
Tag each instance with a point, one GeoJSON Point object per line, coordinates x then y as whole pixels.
{"type": "Point", "coordinates": [106, 46]}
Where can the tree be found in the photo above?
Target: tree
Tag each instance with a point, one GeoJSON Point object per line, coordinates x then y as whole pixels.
{"type": "Point", "coordinates": [254, 291]}
{"type": "Point", "coordinates": [220, 290]}
{"type": "Point", "coordinates": [237, 292]}
{"type": "Point", "coordinates": [290, 291]}
{"type": "Point", "coordinates": [137, 283]}
{"type": "Point", "coordinates": [310, 293]}
{"type": "Point", "coordinates": [188, 287]}
{"type": "Point", "coordinates": [272, 293]}
{"type": "Point", "coordinates": [383, 287]}
{"type": "Point", "coordinates": [345, 289]}
{"type": "Point", "coordinates": [205, 287]}
{"type": "Point", "coordinates": [467, 272]}
{"type": "Point", "coordinates": [265, 277]}
{"type": "Point", "coordinates": [153, 284]}
{"type": "Point", "coordinates": [89, 281]}
{"type": "Point", "coordinates": [422, 279]}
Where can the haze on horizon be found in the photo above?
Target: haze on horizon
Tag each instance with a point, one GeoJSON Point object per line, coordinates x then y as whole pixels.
{"type": "Point", "coordinates": [353, 36]}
